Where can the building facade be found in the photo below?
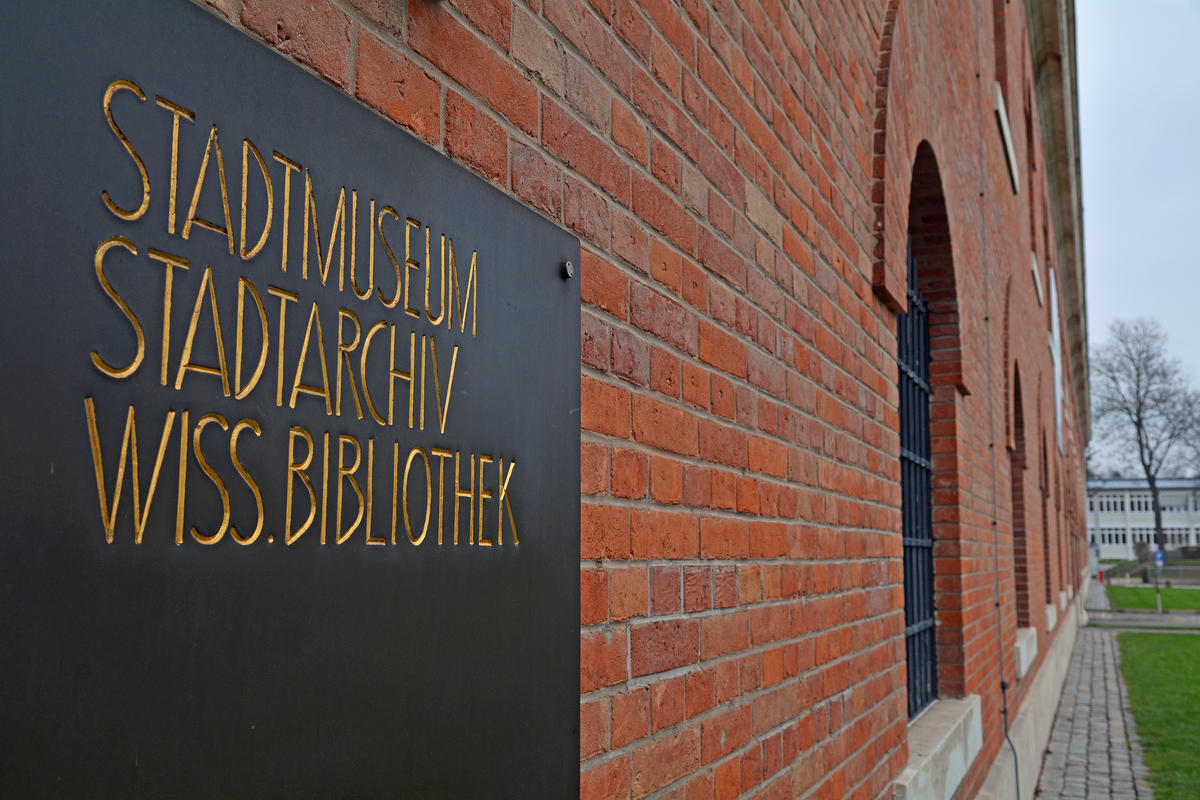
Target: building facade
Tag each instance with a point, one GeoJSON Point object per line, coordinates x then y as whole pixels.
{"type": "Point", "coordinates": [833, 363]}
{"type": "Point", "coordinates": [1120, 513]}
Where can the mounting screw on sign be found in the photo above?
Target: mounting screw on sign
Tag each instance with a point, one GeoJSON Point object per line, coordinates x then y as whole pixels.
{"type": "Point", "coordinates": [568, 270]}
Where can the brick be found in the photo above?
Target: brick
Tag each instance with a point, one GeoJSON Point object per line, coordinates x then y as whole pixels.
{"type": "Point", "coordinates": [398, 88]}
{"type": "Point", "coordinates": [628, 593]}
{"type": "Point", "coordinates": [605, 408]}
{"type": "Point", "coordinates": [438, 36]}
{"type": "Point", "coordinates": [664, 372]}
{"type": "Point", "coordinates": [584, 151]}
{"type": "Point", "coordinates": [593, 728]}
{"type": "Point", "coordinates": [666, 480]}
{"type": "Point", "coordinates": [602, 659]}
{"type": "Point", "coordinates": [667, 703]}
{"type": "Point", "coordinates": [585, 212]}
{"type": "Point", "coordinates": [629, 473]}
{"type": "Point", "coordinates": [663, 534]}
{"type": "Point", "coordinates": [696, 588]}
{"type": "Point", "coordinates": [724, 537]}
{"type": "Point", "coordinates": [664, 214]}
{"type": "Point", "coordinates": [539, 51]}
{"type": "Point", "coordinates": [664, 164]}
{"type": "Point", "coordinates": [606, 781]}
{"type": "Point", "coordinates": [587, 94]}
{"type": "Point", "coordinates": [313, 32]}
{"type": "Point", "coordinates": [665, 760]}
{"type": "Point", "coordinates": [536, 180]}
{"type": "Point", "coordinates": [598, 45]}
{"type": "Point", "coordinates": [722, 444]}
{"type": "Point", "coordinates": [662, 425]}
{"type": "Point", "coordinates": [630, 357]}
{"type": "Point", "coordinates": [722, 350]}
{"type": "Point", "coordinates": [724, 733]}
{"type": "Point", "coordinates": [604, 531]}
{"type": "Point", "coordinates": [656, 313]}
{"type": "Point", "coordinates": [473, 138]}
{"type": "Point", "coordinates": [603, 285]}
{"type": "Point", "coordinates": [659, 646]}
{"type": "Point", "coordinates": [593, 596]}
{"type": "Point", "coordinates": [629, 133]}
{"type": "Point", "coordinates": [595, 341]}
{"type": "Point", "coordinates": [664, 590]}
{"type": "Point", "coordinates": [630, 716]}
{"type": "Point", "coordinates": [724, 634]}
{"type": "Point", "coordinates": [493, 18]}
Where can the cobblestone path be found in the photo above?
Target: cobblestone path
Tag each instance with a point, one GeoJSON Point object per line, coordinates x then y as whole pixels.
{"type": "Point", "coordinates": [1094, 751]}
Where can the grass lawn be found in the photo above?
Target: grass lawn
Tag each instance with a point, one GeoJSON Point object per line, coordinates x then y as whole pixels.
{"type": "Point", "coordinates": [1143, 597]}
{"type": "Point", "coordinates": [1163, 674]}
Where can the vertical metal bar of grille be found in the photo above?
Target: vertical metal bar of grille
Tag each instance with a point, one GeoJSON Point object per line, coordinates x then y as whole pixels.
{"type": "Point", "coordinates": [916, 484]}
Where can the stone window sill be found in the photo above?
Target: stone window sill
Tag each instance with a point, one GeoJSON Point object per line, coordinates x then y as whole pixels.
{"type": "Point", "coordinates": [943, 742]}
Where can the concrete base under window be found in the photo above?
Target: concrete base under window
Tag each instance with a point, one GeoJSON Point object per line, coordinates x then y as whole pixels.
{"type": "Point", "coordinates": [1030, 730]}
{"type": "Point", "coordinates": [1051, 617]}
{"type": "Point", "coordinates": [942, 744]}
{"type": "Point", "coordinates": [1026, 650]}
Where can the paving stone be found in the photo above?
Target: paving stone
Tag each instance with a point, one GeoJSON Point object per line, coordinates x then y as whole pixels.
{"type": "Point", "coordinates": [1094, 751]}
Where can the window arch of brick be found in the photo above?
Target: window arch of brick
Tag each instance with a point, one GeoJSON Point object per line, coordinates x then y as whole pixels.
{"type": "Point", "coordinates": [929, 231]}
{"type": "Point", "coordinates": [1022, 560]}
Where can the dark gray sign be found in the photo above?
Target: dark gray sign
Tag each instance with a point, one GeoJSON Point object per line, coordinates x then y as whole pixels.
{"type": "Point", "coordinates": [290, 434]}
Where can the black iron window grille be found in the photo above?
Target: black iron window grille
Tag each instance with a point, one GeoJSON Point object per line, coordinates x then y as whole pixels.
{"type": "Point", "coordinates": [916, 484]}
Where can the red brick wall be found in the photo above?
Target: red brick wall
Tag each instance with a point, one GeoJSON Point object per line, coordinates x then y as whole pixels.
{"type": "Point", "coordinates": [740, 176]}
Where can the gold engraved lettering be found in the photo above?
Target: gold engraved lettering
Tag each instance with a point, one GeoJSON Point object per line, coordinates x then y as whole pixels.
{"type": "Point", "coordinates": [459, 494]}
{"type": "Point", "coordinates": [181, 487]}
{"type": "Point", "coordinates": [314, 318]}
{"type": "Point", "coordinates": [176, 112]}
{"type": "Point", "coordinates": [416, 540]}
{"type": "Point", "coordinates": [129, 449]}
{"type": "Point", "coordinates": [343, 360]}
{"type": "Point", "coordinates": [441, 454]}
{"type": "Point", "coordinates": [385, 211]}
{"type": "Point", "coordinates": [394, 373]}
{"type": "Point", "coordinates": [248, 148]}
{"type": "Point", "coordinates": [347, 473]}
{"type": "Point", "coordinates": [395, 484]}
{"type": "Point", "coordinates": [443, 410]}
{"type": "Point", "coordinates": [168, 292]}
{"type": "Point", "coordinates": [362, 369]}
{"type": "Point", "coordinates": [324, 483]}
{"type": "Point", "coordinates": [371, 493]}
{"type": "Point", "coordinates": [241, 391]}
{"type": "Point", "coordinates": [299, 468]}
{"type": "Point", "coordinates": [212, 476]}
{"type": "Point", "coordinates": [441, 283]}
{"type": "Point", "coordinates": [185, 362]}
{"type": "Point", "coordinates": [285, 297]}
{"type": "Point", "coordinates": [472, 293]}
{"type": "Point", "coordinates": [289, 167]}
{"type": "Point", "coordinates": [410, 263]}
{"type": "Point", "coordinates": [422, 392]}
{"type": "Point", "coordinates": [244, 424]}
{"type": "Point", "coordinates": [504, 502]}
{"type": "Point", "coordinates": [112, 89]}
{"type": "Point", "coordinates": [101, 364]}
{"type": "Point", "coordinates": [483, 495]}
{"type": "Point", "coordinates": [214, 143]}
{"type": "Point", "coordinates": [362, 294]}
{"type": "Point", "coordinates": [337, 233]}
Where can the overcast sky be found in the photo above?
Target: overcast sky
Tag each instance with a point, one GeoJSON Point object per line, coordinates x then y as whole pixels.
{"type": "Point", "coordinates": [1139, 98]}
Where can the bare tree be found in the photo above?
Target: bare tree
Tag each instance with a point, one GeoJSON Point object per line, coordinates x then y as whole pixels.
{"type": "Point", "coordinates": [1142, 404]}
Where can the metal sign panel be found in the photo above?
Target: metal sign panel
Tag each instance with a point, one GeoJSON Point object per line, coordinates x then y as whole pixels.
{"type": "Point", "coordinates": [290, 434]}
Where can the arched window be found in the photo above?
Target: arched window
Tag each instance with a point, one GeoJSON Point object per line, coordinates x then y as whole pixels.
{"type": "Point", "coordinates": [916, 483]}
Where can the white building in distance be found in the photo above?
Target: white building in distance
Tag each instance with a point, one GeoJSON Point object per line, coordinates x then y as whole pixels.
{"type": "Point", "coordinates": [1120, 512]}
